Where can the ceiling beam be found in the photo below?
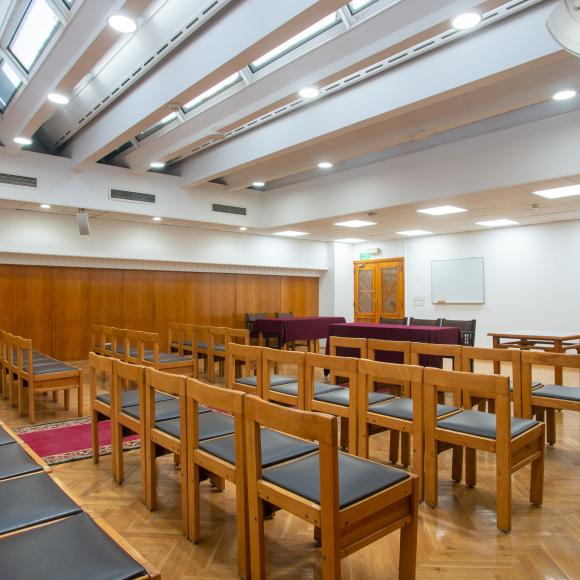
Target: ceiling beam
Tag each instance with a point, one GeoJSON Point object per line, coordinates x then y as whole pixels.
{"type": "Point", "coordinates": [243, 33]}
{"type": "Point", "coordinates": [437, 75]}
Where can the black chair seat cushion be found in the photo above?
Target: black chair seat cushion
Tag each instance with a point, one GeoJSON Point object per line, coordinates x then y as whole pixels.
{"type": "Point", "coordinates": [559, 392]}
{"type": "Point", "coordinates": [482, 424]}
{"type": "Point", "coordinates": [204, 345]}
{"type": "Point", "coordinates": [403, 409]}
{"type": "Point", "coordinates": [164, 410]}
{"type": "Point", "coordinates": [66, 550]}
{"type": "Point", "coordinates": [211, 425]}
{"type": "Point", "coordinates": [292, 388]}
{"type": "Point", "coordinates": [5, 438]}
{"type": "Point", "coordinates": [131, 397]}
{"type": "Point", "coordinates": [342, 397]}
{"type": "Point", "coordinates": [31, 500]}
{"type": "Point", "coordinates": [276, 447]}
{"type": "Point", "coordinates": [14, 461]}
{"type": "Point", "coordinates": [358, 478]}
{"type": "Point", "coordinates": [275, 380]}
{"type": "Point", "coordinates": [166, 357]}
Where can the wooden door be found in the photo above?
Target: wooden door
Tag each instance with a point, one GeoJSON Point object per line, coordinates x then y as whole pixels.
{"type": "Point", "coordinates": [379, 289]}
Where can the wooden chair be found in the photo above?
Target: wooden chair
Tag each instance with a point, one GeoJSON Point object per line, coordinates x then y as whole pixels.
{"type": "Point", "coordinates": [399, 321]}
{"type": "Point", "coordinates": [175, 337]}
{"type": "Point", "coordinates": [148, 355]}
{"type": "Point", "coordinates": [107, 341]}
{"type": "Point", "coordinates": [238, 336]}
{"type": "Point", "coordinates": [201, 340]}
{"type": "Point", "coordinates": [118, 343]}
{"type": "Point", "coordinates": [242, 360]}
{"type": "Point", "coordinates": [346, 346]}
{"type": "Point", "coordinates": [98, 338]}
{"type": "Point", "coordinates": [394, 349]}
{"type": "Point", "coordinates": [383, 500]}
{"type": "Point", "coordinates": [466, 330]}
{"type": "Point", "coordinates": [5, 379]}
{"type": "Point", "coordinates": [516, 442]}
{"type": "Point", "coordinates": [218, 339]}
{"type": "Point", "coordinates": [421, 350]}
{"type": "Point", "coordinates": [134, 345]}
{"type": "Point", "coordinates": [424, 321]}
{"type": "Point", "coordinates": [286, 390]}
{"type": "Point", "coordinates": [100, 371]}
{"type": "Point", "coordinates": [545, 399]}
{"type": "Point", "coordinates": [44, 374]}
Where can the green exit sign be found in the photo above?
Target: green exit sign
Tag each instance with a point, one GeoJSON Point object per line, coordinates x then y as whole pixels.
{"type": "Point", "coordinates": [364, 256]}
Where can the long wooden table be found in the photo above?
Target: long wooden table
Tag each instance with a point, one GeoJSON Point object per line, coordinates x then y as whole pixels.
{"type": "Point", "coordinates": [547, 340]}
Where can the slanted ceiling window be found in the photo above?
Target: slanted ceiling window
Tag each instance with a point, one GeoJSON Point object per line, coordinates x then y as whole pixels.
{"type": "Point", "coordinates": [296, 41]}
{"type": "Point", "coordinates": [156, 127]}
{"type": "Point", "coordinates": [357, 5]}
{"type": "Point", "coordinates": [212, 92]}
{"type": "Point", "coordinates": [34, 32]}
{"type": "Point", "coordinates": [69, 3]}
{"type": "Point", "coordinates": [9, 83]}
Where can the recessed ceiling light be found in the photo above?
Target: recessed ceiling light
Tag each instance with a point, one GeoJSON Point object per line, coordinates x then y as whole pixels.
{"type": "Point", "coordinates": [497, 223]}
{"type": "Point", "coordinates": [258, 184]}
{"type": "Point", "coordinates": [350, 240]}
{"type": "Point", "coordinates": [466, 21]}
{"type": "Point", "coordinates": [58, 99]}
{"type": "Point", "coordinates": [23, 140]}
{"type": "Point", "coordinates": [441, 210]}
{"type": "Point", "coordinates": [414, 233]}
{"type": "Point", "coordinates": [325, 165]}
{"type": "Point", "coordinates": [355, 224]}
{"type": "Point", "coordinates": [157, 219]}
{"type": "Point", "coordinates": [290, 234]}
{"type": "Point", "coordinates": [122, 23]}
{"type": "Point", "coordinates": [243, 229]}
{"type": "Point", "coordinates": [309, 92]}
{"type": "Point", "coordinates": [558, 192]}
{"type": "Point", "coordinates": [564, 95]}
{"type": "Point", "coordinates": [45, 206]}
{"type": "Point", "coordinates": [157, 165]}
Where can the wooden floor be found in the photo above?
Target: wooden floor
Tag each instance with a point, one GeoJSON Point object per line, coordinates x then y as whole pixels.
{"type": "Point", "coordinates": [457, 540]}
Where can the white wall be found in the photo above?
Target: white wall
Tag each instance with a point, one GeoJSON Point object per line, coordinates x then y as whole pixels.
{"type": "Point", "coordinates": [336, 288]}
{"type": "Point", "coordinates": [532, 276]}
{"type": "Point", "coordinates": [24, 234]}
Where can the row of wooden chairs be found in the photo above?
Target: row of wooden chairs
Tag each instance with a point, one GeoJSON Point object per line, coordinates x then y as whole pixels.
{"type": "Point", "coordinates": [45, 532]}
{"type": "Point", "coordinates": [26, 372]}
{"type": "Point", "coordinates": [416, 413]}
{"type": "Point", "coordinates": [263, 449]}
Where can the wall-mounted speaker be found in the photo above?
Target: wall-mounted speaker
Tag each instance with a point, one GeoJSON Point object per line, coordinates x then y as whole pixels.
{"type": "Point", "coordinates": [564, 25]}
{"type": "Point", "coordinates": [83, 222]}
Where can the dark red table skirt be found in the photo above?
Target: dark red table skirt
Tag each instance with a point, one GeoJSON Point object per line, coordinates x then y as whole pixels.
{"type": "Point", "coordinates": [432, 334]}
{"type": "Point", "coordinates": [298, 328]}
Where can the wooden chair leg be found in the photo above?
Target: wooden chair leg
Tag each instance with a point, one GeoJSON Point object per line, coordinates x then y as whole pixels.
{"type": "Point", "coordinates": [503, 493]}
{"type": "Point", "coordinates": [219, 483]}
{"type": "Point", "coordinates": [194, 505]}
{"type": "Point", "coordinates": [66, 399]}
{"type": "Point", "coordinates": [431, 473]}
{"type": "Point", "coordinates": [537, 476]}
{"type": "Point", "coordinates": [243, 538]}
{"type": "Point", "coordinates": [405, 449]}
{"type": "Point", "coordinates": [256, 526]}
{"type": "Point", "coordinates": [95, 435]}
{"type": "Point", "coordinates": [344, 433]}
{"type": "Point", "coordinates": [151, 491]}
{"type": "Point", "coordinates": [80, 399]}
{"type": "Point", "coordinates": [117, 452]}
{"type": "Point", "coordinates": [330, 552]}
{"type": "Point", "coordinates": [317, 535]}
{"type": "Point", "coordinates": [457, 464]}
{"type": "Point", "coordinates": [55, 397]}
{"type": "Point", "coordinates": [408, 540]}
{"type": "Point", "coordinates": [393, 446]}
{"type": "Point", "coordinates": [470, 467]}
{"type": "Point", "coordinates": [551, 426]}
{"type": "Point", "coordinates": [31, 409]}
{"type": "Point", "coordinates": [210, 362]}
{"type": "Point", "coordinates": [363, 440]}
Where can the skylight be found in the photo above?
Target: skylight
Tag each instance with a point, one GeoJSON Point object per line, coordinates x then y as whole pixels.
{"type": "Point", "coordinates": [216, 89]}
{"type": "Point", "coordinates": [156, 127]}
{"type": "Point", "coordinates": [302, 37]}
{"type": "Point", "coordinates": [69, 3]}
{"type": "Point", "coordinates": [9, 83]}
{"type": "Point", "coordinates": [357, 5]}
{"type": "Point", "coordinates": [33, 33]}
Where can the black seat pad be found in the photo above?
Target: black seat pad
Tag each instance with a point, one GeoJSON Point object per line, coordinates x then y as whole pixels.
{"type": "Point", "coordinates": [216, 346]}
{"type": "Point", "coordinates": [482, 424]}
{"type": "Point", "coordinates": [27, 501]}
{"type": "Point", "coordinates": [403, 409]}
{"type": "Point", "coordinates": [292, 388]}
{"type": "Point", "coordinates": [342, 397]}
{"type": "Point", "coordinates": [131, 397]}
{"type": "Point", "coordinates": [164, 410]}
{"type": "Point", "coordinates": [559, 392]}
{"type": "Point", "coordinates": [166, 357]}
{"type": "Point", "coordinates": [358, 478]}
{"type": "Point", "coordinates": [276, 447]}
{"type": "Point", "coordinates": [14, 461]}
{"type": "Point", "coordinates": [274, 380]}
{"type": "Point", "coordinates": [66, 550]}
{"type": "Point", "coordinates": [5, 438]}
{"type": "Point", "coordinates": [211, 425]}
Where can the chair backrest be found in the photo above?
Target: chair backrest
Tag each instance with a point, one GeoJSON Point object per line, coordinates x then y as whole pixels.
{"type": "Point", "coordinates": [318, 427]}
{"type": "Point", "coordinates": [22, 355]}
{"type": "Point", "coordinates": [284, 315]}
{"type": "Point", "coordinates": [169, 384]}
{"type": "Point", "coordinates": [424, 321]}
{"type": "Point", "coordinates": [357, 346]}
{"type": "Point", "coordinates": [466, 330]}
{"type": "Point", "coordinates": [147, 342]}
{"type": "Point", "coordinates": [107, 344]}
{"type": "Point", "coordinates": [248, 357]}
{"type": "Point", "coordinates": [99, 365]}
{"type": "Point", "coordinates": [425, 349]}
{"type": "Point", "coordinates": [251, 318]}
{"type": "Point", "coordinates": [238, 336]}
{"type": "Point", "coordinates": [401, 321]}
{"type": "Point", "coordinates": [97, 338]}
{"type": "Point", "coordinates": [375, 345]}
{"type": "Point", "coordinates": [218, 335]}
{"type": "Point", "coordinates": [175, 337]}
{"type": "Point", "coordinates": [118, 343]}
{"type": "Point", "coordinates": [201, 334]}
{"type": "Point", "coordinates": [271, 358]}
{"type": "Point", "coordinates": [125, 374]}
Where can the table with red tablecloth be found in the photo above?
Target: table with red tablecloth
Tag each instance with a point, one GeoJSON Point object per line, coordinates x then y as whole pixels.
{"type": "Point", "coordinates": [432, 334]}
{"type": "Point", "coordinates": [297, 328]}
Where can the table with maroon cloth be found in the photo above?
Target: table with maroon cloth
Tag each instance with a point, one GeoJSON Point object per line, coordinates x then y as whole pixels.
{"type": "Point", "coordinates": [432, 334]}
{"type": "Point", "coordinates": [297, 328]}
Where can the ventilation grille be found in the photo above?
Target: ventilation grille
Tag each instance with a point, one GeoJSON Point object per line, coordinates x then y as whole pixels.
{"type": "Point", "coordinates": [8, 179]}
{"type": "Point", "coordinates": [135, 196]}
{"type": "Point", "coordinates": [228, 209]}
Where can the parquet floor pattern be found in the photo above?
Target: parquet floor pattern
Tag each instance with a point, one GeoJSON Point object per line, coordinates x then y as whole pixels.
{"type": "Point", "coordinates": [457, 540]}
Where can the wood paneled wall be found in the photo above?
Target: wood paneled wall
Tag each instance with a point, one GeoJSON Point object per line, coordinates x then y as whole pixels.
{"type": "Point", "coordinates": [56, 307]}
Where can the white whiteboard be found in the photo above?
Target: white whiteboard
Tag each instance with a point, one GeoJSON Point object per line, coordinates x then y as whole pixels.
{"type": "Point", "coordinates": [457, 281]}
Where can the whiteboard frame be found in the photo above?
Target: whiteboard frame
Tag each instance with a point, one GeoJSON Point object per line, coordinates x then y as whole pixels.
{"type": "Point", "coordinates": [443, 301]}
